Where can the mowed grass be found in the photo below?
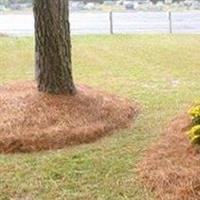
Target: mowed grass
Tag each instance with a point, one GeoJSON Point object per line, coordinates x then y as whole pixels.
{"type": "Point", "coordinates": [160, 72]}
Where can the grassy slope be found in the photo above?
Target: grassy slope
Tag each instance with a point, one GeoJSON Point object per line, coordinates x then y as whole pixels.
{"type": "Point", "coordinates": [159, 72]}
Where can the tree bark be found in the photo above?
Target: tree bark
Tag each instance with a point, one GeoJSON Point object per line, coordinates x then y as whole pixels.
{"type": "Point", "coordinates": [53, 68]}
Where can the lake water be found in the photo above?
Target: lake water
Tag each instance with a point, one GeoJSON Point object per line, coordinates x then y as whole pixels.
{"type": "Point", "coordinates": [98, 23]}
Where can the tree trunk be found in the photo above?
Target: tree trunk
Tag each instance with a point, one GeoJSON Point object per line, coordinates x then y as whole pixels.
{"type": "Point", "coordinates": [53, 47]}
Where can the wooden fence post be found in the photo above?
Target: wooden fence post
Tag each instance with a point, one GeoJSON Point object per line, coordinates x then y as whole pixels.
{"type": "Point", "coordinates": [170, 22]}
{"type": "Point", "coordinates": [111, 22]}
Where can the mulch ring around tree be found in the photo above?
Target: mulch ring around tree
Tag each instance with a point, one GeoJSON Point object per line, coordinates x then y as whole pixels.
{"type": "Point", "coordinates": [33, 121]}
{"type": "Point", "coordinates": [171, 167]}
{"type": "Point", "coordinates": [3, 35]}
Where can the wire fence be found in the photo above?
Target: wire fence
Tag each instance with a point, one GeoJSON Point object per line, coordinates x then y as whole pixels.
{"type": "Point", "coordinates": [112, 23]}
{"type": "Point", "coordinates": [155, 22]}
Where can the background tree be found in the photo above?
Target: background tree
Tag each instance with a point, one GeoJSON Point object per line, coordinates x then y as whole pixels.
{"type": "Point", "coordinates": [53, 46]}
{"type": "Point", "coordinates": [8, 2]}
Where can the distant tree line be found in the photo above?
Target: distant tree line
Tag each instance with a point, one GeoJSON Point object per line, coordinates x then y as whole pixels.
{"type": "Point", "coordinates": [9, 2]}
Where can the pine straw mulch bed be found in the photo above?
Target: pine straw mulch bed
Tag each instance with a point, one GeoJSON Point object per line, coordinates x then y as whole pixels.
{"type": "Point", "coordinates": [171, 167]}
{"type": "Point", "coordinates": [33, 121]}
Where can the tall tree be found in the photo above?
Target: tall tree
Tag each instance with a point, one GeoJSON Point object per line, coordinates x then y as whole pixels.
{"type": "Point", "coordinates": [53, 47]}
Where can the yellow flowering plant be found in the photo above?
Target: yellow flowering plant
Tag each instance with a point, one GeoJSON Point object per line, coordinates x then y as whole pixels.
{"type": "Point", "coordinates": [194, 132]}
{"type": "Point", "coordinates": [194, 135]}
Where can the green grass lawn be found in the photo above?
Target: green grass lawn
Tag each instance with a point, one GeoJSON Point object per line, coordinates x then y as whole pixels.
{"type": "Point", "coordinates": [160, 72]}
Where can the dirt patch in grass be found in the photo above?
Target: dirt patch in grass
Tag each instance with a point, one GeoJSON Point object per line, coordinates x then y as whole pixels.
{"type": "Point", "coordinates": [33, 121]}
{"type": "Point", "coordinates": [171, 167]}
